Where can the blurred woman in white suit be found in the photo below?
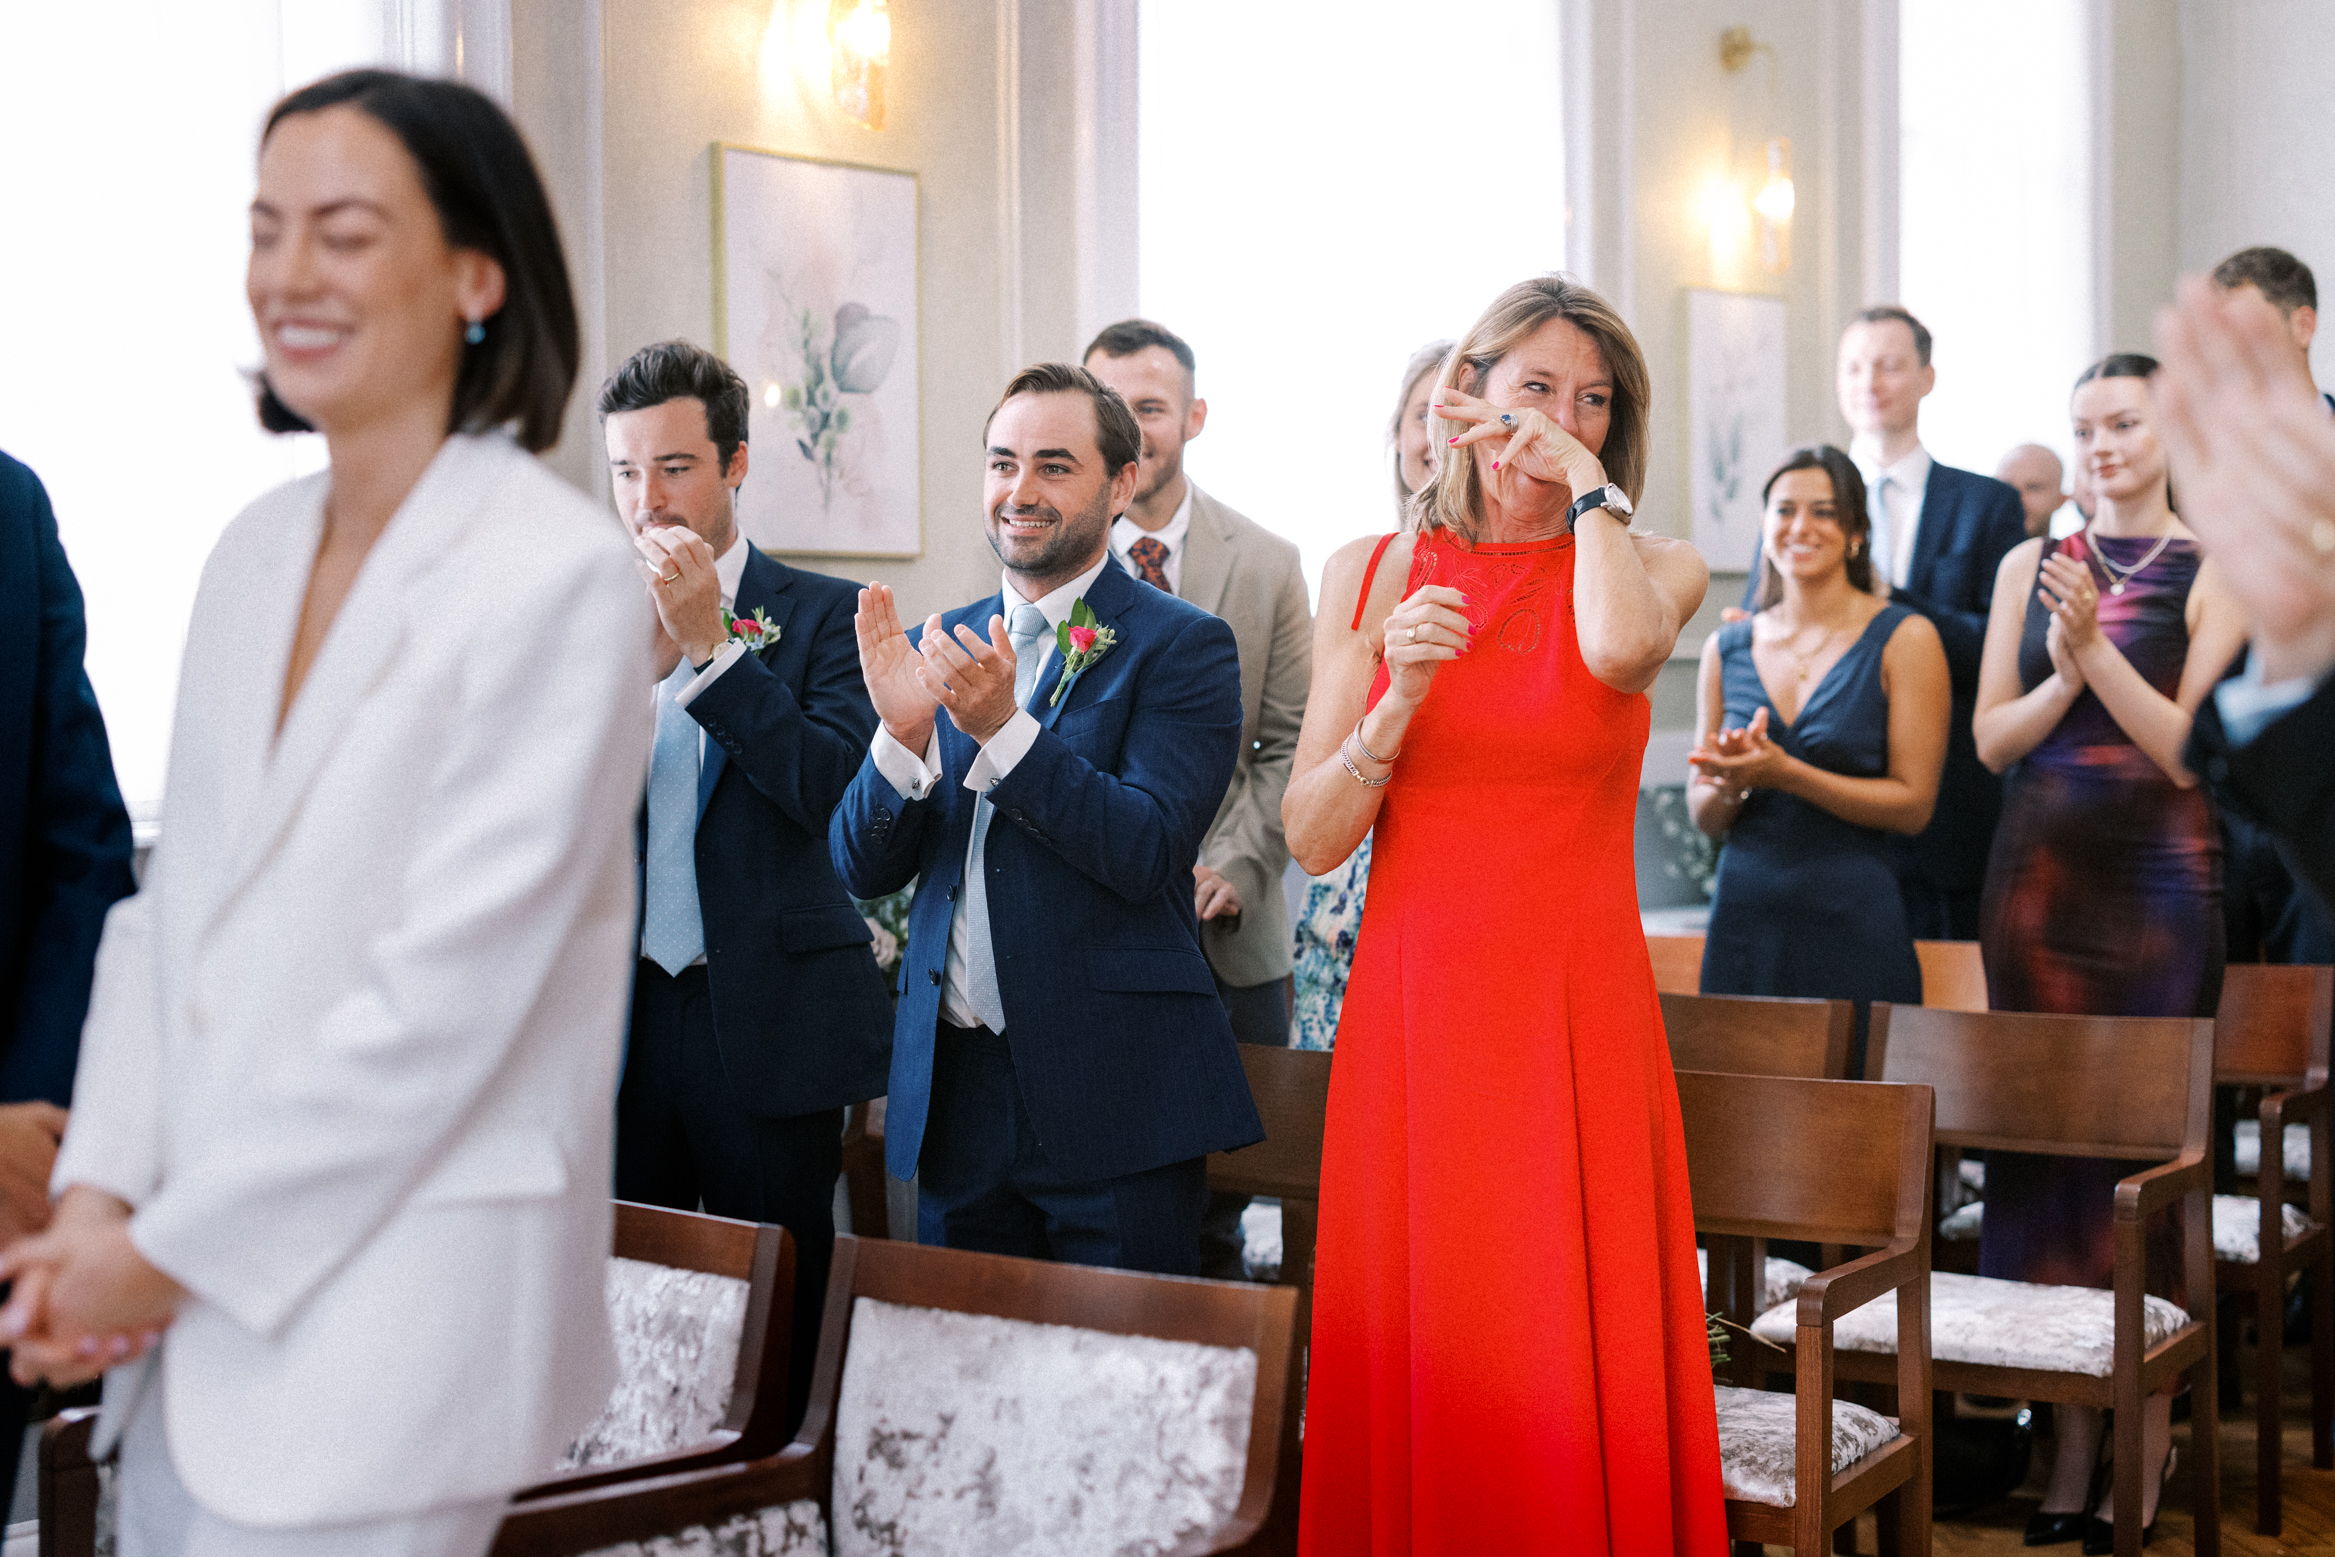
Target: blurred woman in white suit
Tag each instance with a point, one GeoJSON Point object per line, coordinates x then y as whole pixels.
{"type": "Point", "coordinates": [334, 1201]}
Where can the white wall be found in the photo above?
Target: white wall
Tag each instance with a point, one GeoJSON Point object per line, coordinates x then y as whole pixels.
{"type": "Point", "coordinates": [2257, 136]}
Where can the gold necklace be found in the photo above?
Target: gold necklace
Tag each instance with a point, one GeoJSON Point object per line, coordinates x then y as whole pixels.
{"type": "Point", "coordinates": [2122, 576]}
{"type": "Point", "coordinates": [1800, 672]}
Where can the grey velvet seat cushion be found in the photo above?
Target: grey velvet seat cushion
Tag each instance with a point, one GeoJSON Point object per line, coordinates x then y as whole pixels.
{"type": "Point", "coordinates": [2295, 1149]}
{"type": "Point", "coordinates": [1780, 1283]}
{"type": "Point", "coordinates": [1759, 1438]}
{"type": "Point", "coordinates": [677, 1338]}
{"type": "Point", "coordinates": [2004, 1324]}
{"type": "Point", "coordinates": [797, 1530]}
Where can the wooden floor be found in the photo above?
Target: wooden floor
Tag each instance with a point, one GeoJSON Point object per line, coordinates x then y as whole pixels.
{"type": "Point", "coordinates": [2310, 1494]}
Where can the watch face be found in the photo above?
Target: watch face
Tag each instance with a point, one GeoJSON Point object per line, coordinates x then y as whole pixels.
{"type": "Point", "coordinates": [1618, 500]}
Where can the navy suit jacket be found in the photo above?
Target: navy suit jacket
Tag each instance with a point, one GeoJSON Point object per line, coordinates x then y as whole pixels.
{"type": "Point", "coordinates": [2280, 780]}
{"type": "Point", "coordinates": [800, 1011]}
{"type": "Point", "coordinates": [1120, 1043]}
{"type": "Point", "coordinates": [64, 837]}
{"type": "Point", "coordinates": [1969, 523]}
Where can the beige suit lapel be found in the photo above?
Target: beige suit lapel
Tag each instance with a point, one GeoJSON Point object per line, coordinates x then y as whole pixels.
{"type": "Point", "coordinates": [1208, 555]}
{"type": "Point", "coordinates": [360, 647]}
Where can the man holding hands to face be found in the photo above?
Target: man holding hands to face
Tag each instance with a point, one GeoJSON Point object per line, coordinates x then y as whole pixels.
{"type": "Point", "coordinates": [1049, 761]}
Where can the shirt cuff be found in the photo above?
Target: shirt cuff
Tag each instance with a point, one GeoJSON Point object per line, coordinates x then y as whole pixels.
{"type": "Point", "coordinates": [911, 776]}
{"type": "Point", "coordinates": [2248, 705]}
{"type": "Point", "coordinates": [1008, 746]}
{"type": "Point", "coordinates": [723, 658]}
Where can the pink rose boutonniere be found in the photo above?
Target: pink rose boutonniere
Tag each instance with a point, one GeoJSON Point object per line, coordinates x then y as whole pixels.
{"type": "Point", "coordinates": [1081, 641]}
{"type": "Point", "coordinates": [755, 632]}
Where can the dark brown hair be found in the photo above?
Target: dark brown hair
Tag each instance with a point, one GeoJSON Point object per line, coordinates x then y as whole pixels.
{"type": "Point", "coordinates": [489, 199]}
{"type": "Point", "coordinates": [2127, 364]}
{"type": "Point", "coordinates": [683, 370]}
{"type": "Point", "coordinates": [2284, 281]}
{"type": "Point", "coordinates": [1890, 313]}
{"type": "Point", "coordinates": [1116, 434]}
{"type": "Point", "coordinates": [1848, 511]}
{"type": "Point", "coordinates": [1130, 336]}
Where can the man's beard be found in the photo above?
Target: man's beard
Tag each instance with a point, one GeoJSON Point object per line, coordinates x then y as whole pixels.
{"type": "Point", "coordinates": [1160, 476]}
{"type": "Point", "coordinates": [1067, 542]}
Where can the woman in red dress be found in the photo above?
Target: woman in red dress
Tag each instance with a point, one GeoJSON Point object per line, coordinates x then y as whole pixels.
{"type": "Point", "coordinates": [1537, 1382]}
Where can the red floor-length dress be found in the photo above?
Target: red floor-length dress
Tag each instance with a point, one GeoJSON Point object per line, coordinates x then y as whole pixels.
{"type": "Point", "coordinates": [1508, 1349]}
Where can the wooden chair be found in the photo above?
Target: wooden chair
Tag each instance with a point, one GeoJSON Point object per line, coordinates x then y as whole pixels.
{"type": "Point", "coordinates": [1760, 1035]}
{"type": "Point", "coordinates": [2272, 1032]}
{"type": "Point", "coordinates": [751, 1271]}
{"type": "Point", "coordinates": [1953, 975]}
{"type": "Point", "coordinates": [864, 1186]}
{"type": "Point", "coordinates": [787, 1499]}
{"type": "Point", "coordinates": [1678, 963]}
{"type": "Point", "coordinates": [1292, 1090]}
{"type": "Point", "coordinates": [2078, 1086]}
{"type": "Point", "coordinates": [1775, 1157]}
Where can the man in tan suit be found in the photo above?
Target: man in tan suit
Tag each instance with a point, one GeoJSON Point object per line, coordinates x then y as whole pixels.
{"type": "Point", "coordinates": [1177, 537]}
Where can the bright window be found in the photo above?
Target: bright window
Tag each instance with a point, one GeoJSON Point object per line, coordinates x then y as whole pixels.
{"type": "Point", "coordinates": [1317, 203]}
{"type": "Point", "coordinates": [1995, 218]}
{"type": "Point", "coordinates": [132, 126]}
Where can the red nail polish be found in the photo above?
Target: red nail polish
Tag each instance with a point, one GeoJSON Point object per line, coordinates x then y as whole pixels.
{"type": "Point", "coordinates": [1451, 440]}
{"type": "Point", "coordinates": [1495, 464]}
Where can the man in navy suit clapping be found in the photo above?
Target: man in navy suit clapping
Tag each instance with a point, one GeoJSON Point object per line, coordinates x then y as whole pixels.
{"type": "Point", "coordinates": [1939, 535]}
{"type": "Point", "coordinates": [1061, 1065]}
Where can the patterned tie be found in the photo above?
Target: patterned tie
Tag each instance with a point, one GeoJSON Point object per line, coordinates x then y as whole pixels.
{"type": "Point", "coordinates": [1150, 559]}
{"type": "Point", "coordinates": [1026, 629]}
{"type": "Point", "coordinates": [672, 925]}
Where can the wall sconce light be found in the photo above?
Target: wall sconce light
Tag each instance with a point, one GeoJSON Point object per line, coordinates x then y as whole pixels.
{"type": "Point", "coordinates": [859, 47]}
{"type": "Point", "coordinates": [1771, 207]}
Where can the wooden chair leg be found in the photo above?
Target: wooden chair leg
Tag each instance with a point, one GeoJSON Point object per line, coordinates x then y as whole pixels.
{"type": "Point", "coordinates": [2205, 1454]}
{"type": "Point", "coordinates": [2321, 1276]}
{"type": "Point", "coordinates": [2124, 1499]}
{"type": "Point", "coordinates": [2269, 1389]}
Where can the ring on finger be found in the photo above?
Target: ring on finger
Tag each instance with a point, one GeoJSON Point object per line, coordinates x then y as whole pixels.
{"type": "Point", "coordinates": [1414, 638]}
{"type": "Point", "coordinates": [667, 578]}
{"type": "Point", "coordinates": [1507, 420]}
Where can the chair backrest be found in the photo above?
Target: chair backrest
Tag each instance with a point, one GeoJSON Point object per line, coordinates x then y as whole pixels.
{"type": "Point", "coordinates": [1953, 975]}
{"type": "Point", "coordinates": [691, 1300]}
{"type": "Point", "coordinates": [2082, 1086]}
{"type": "Point", "coordinates": [1759, 1035]}
{"type": "Point", "coordinates": [1678, 963]}
{"type": "Point", "coordinates": [1824, 1161]}
{"type": "Point", "coordinates": [2272, 1025]}
{"type": "Point", "coordinates": [1292, 1089]}
{"type": "Point", "coordinates": [1168, 1393]}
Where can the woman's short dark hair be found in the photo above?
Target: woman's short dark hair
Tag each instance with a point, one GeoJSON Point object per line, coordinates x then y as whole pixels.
{"type": "Point", "coordinates": [683, 370]}
{"type": "Point", "coordinates": [489, 199]}
{"type": "Point", "coordinates": [1117, 434]}
{"type": "Point", "coordinates": [1848, 511]}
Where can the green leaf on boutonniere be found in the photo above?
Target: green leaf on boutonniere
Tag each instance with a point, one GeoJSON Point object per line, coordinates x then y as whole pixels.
{"type": "Point", "coordinates": [1081, 640]}
{"type": "Point", "coordinates": [756, 632]}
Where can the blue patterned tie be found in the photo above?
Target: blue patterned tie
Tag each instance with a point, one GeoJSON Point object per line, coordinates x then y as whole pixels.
{"type": "Point", "coordinates": [672, 925]}
{"type": "Point", "coordinates": [1026, 630]}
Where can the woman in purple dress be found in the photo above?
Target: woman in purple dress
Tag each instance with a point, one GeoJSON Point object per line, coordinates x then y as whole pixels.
{"type": "Point", "coordinates": [2103, 893]}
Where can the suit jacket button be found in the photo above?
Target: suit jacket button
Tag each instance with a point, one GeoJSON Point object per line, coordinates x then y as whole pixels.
{"type": "Point", "coordinates": [934, 975]}
{"type": "Point", "coordinates": [952, 894]}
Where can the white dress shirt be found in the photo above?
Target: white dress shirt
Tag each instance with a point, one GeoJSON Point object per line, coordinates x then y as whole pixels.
{"type": "Point", "coordinates": [913, 777]}
{"type": "Point", "coordinates": [1896, 532]}
{"type": "Point", "coordinates": [1125, 532]}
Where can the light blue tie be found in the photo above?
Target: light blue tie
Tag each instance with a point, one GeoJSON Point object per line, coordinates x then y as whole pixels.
{"type": "Point", "coordinates": [1881, 532]}
{"type": "Point", "coordinates": [672, 924]}
{"type": "Point", "coordinates": [1027, 631]}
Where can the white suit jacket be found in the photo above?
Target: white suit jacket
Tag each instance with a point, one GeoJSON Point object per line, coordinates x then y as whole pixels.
{"type": "Point", "coordinates": [352, 1053]}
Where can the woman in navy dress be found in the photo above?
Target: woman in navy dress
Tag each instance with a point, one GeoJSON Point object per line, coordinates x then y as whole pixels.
{"type": "Point", "coordinates": [1823, 720]}
{"type": "Point", "coordinates": [2103, 891]}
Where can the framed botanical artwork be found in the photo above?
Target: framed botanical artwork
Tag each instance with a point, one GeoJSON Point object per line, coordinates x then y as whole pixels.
{"type": "Point", "coordinates": [1735, 417]}
{"type": "Point", "coordinates": [815, 295]}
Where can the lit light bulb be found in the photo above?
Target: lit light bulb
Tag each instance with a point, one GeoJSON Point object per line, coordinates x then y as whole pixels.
{"type": "Point", "coordinates": [859, 41]}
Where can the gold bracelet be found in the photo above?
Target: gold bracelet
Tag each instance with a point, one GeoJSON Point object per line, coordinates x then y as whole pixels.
{"type": "Point", "coordinates": [1366, 783]}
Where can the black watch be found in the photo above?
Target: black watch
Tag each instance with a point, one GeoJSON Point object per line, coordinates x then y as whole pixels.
{"type": "Point", "coordinates": [1608, 496]}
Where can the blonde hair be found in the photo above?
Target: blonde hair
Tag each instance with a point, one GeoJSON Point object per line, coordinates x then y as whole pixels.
{"type": "Point", "coordinates": [1423, 362]}
{"type": "Point", "coordinates": [1454, 499]}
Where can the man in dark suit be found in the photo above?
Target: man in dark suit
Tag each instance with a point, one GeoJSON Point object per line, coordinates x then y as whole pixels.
{"type": "Point", "coordinates": [2254, 458]}
{"type": "Point", "coordinates": [1061, 1064]}
{"type": "Point", "coordinates": [1939, 534]}
{"type": "Point", "coordinates": [758, 1014]}
{"type": "Point", "coordinates": [2269, 916]}
{"type": "Point", "coordinates": [64, 860]}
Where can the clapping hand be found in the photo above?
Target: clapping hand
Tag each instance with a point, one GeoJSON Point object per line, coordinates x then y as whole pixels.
{"type": "Point", "coordinates": [1741, 760]}
{"type": "Point", "coordinates": [678, 567]}
{"type": "Point", "coordinates": [2073, 600]}
{"type": "Point", "coordinates": [2063, 658]}
{"type": "Point", "coordinates": [970, 678]}
{"type": "Point", "coordinates": [85, 1299]}
{"type": "Point", "coordinates": [891, 666]}
{"type": "Point", "coordinates": [2253, 453]}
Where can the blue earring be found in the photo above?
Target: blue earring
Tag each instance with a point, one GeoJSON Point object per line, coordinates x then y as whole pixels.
{"type": "Point", "coordinates": [476, 332]}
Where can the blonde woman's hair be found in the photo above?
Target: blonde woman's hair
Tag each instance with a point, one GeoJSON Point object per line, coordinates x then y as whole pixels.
{"type": "Point", "coordinates": [1454, 499]}
{"type": "Point", "coordinates": [1423, 362]}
